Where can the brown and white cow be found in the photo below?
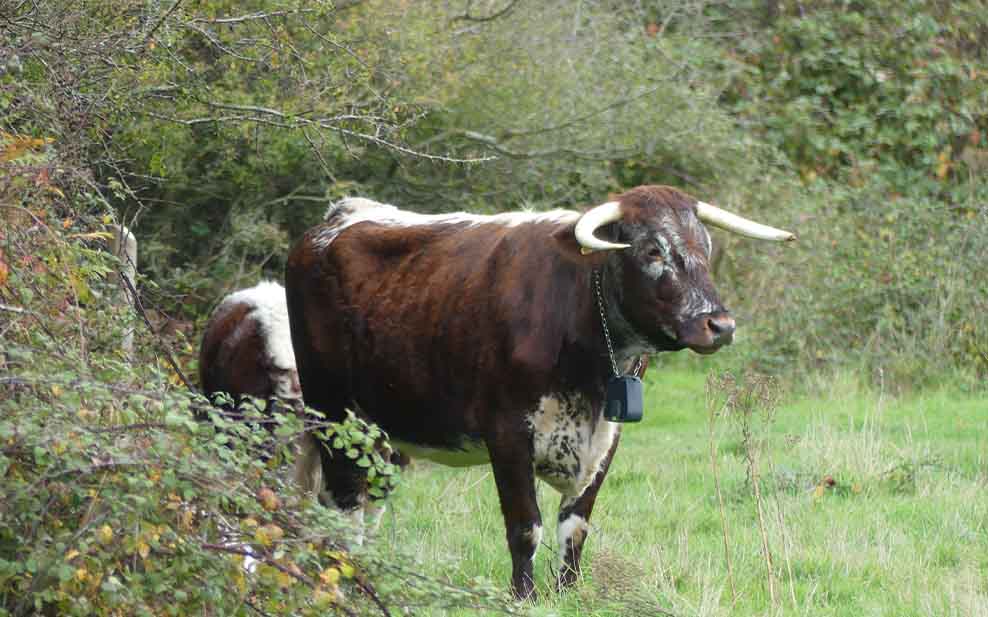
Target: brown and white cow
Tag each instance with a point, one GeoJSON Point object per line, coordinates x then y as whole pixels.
{"type": "Point", "coordinates": [247, 349]}
{"type": "Point", "coordinates": [475, 339]}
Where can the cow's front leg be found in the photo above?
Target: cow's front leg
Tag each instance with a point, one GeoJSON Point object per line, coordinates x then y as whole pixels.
{"type": "Point", "coordinates": [514, 475]}
{"type": "Point", "coordinates": [574, 523]}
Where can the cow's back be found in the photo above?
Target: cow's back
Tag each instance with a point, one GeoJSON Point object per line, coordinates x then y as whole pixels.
{"type": "Point", "coordinates": [245, 349]}
{"type": "Point", "coordinates": [428, 324]}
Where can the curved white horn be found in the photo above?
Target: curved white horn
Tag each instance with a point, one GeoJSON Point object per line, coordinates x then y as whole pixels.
{"type": "Point", "coordinates": [591, 221]}
{"type": "Point", "coordinates": [740, 225]}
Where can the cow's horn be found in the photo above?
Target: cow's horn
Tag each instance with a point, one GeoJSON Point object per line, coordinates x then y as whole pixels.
{"type": "Point", "coordinates": [740, 225]}
{"type": "Point", "coordinates": [591, 221]}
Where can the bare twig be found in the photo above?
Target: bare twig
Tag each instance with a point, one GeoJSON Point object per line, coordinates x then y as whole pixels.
{"type": "Point", "coordinates": [466, 16]}
{"type": "Point", "coordinates": [158, 24]}
{"type": "Point", "coordinates": [368, 591]}
{"type": "Point", "coordinates": [260, 15]}
{"type": "Point", "coordinates": [139, 307]}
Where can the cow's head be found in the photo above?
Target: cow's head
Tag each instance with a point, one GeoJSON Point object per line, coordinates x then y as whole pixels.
{"type": "Point", "coordinates": [663, 264]}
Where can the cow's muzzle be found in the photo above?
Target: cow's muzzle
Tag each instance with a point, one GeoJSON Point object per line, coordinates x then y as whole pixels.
{"type": "Point", "coordinates": [709, 332]}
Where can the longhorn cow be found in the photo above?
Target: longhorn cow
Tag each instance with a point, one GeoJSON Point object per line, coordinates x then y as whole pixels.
{"type": "Point", "coordinates": [479, 339]}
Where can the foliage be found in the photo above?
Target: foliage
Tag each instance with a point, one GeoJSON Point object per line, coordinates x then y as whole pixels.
{"type": "Point", "coordinates": [367, 445]}
{"type": "Point", "coordinates": [880, 107]}
{"type": "Point", "coordinates": [847, 90]}
{"type": "Point", "coordinates": [574, 100]}
{"type": "Point", "coordinates": [121, 492]}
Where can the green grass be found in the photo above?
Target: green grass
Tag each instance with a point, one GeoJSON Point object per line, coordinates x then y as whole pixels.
{"type": "Point", "coordinates": [902, 528]}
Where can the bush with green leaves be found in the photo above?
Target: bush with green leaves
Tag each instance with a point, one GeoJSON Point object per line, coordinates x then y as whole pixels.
{"type": "Point", "coordinates": [848, 90]}
{"type": "Point", "coordinates": [122, 491]}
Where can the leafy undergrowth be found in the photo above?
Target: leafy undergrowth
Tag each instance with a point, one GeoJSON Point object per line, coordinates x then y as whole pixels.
{"type": "Point", "coordinates": [122, 492]}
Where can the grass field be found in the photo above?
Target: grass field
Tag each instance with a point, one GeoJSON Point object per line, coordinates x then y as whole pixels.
{"type": "Point", "coordinates": [869, 505]}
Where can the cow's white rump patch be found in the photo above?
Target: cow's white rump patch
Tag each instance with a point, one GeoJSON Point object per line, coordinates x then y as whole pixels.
{"type": "Point", "coordinates": [270, 308]}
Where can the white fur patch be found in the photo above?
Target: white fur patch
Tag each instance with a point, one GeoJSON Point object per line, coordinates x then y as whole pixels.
{"type": "Point", "coordinates": [573, 525]}
{"type": "Point", "coordinates": [568, 448]}
{"type": "Point", "coordinates": [353, 210]}
{"type": "Point", "coordinates": [271, 311]}
{"type": "Point", "coordinates": [534, 536]}
{"type": "Point", "coordinates": [270, 308]}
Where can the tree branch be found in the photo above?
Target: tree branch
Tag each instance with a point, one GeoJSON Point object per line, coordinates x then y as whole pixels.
{"type": "Point", "coordinates": [154, 28]}
{"type": "Point", "coordinates": [466, 16]}
{"type": "Point", "coordinates": [250, 17]}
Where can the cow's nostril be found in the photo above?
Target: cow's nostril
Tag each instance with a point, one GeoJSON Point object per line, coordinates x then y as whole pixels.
{"type": "Point", "coordinates": [721, 326]}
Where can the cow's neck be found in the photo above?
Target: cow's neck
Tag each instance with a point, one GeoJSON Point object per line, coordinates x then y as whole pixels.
{"type": "Point", "coordinates": [628, 344]}
{"type": "Point", "coordinates": [585, 365]}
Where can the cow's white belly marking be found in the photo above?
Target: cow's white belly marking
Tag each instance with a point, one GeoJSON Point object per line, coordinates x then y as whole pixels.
{"type": "Point", "coordinates": [568, 446]}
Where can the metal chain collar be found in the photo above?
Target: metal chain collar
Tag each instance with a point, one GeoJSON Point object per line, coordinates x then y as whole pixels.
{"type": "Point", "coordinates": [607, 333]}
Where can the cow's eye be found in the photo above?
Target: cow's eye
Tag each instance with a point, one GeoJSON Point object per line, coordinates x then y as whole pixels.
{"type": "Point", "coordinates": [655, 253]}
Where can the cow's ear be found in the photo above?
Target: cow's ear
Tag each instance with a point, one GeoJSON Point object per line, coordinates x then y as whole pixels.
{"type": "Point", "coordinates": [565, 239]}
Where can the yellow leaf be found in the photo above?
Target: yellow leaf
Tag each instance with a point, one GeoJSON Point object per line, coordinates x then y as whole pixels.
{"type": "Point", "coordinates": [143, 549]}
{"type": "Point", "coordinates": [330, 576]}
{"type": "Point", "coordinates": [323, 598]}
{"type": "Point", "coordinates": [105, 534]}
{"type": "Point", "coordinates": [93, 235]}
{"type": "Point", "coordinates": [71, 555]}
{"type": "Point", "coordinates": [818, 491]}
{"type": "Point", "coordinates": [56, 390]}
{"type": "Point", "coordinates": [268, 499]}
{"type": "Point", "coordinates": [268, 534]}
{"type": "Point", "coordinates": [81, 574]}
{"type": "Point", "coordinates": [346, 570]}
{"type": "Point", "coordinates": [284, 580]}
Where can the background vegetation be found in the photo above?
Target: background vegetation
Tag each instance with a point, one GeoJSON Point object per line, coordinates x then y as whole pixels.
{"type": "Point", "coordinates": [218, 131]}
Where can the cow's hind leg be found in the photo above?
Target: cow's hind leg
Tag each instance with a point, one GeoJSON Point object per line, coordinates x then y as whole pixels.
{"type": "Point", "coordinates": [574, 523]}
{"type": "Point", "coordinates": [515, 479]}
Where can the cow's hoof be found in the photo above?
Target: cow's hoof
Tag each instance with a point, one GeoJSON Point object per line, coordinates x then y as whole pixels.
{"type": "Point", "coordinates": [524, 590]}
{"type": "Point", "coordinates": [567, 578]}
